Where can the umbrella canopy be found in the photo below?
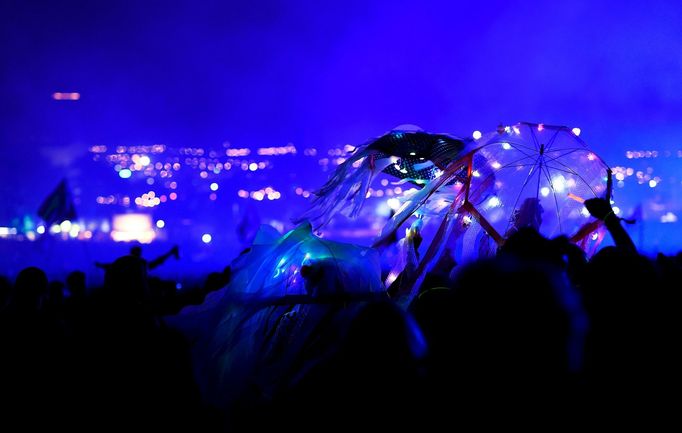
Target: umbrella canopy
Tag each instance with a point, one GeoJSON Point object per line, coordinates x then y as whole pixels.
{"type": "Point", "coordinates": [409, 154]}
{"type": "Point", "coordinates": [528, 175]}
{"type": "Point", "coordinates": [542, 176]}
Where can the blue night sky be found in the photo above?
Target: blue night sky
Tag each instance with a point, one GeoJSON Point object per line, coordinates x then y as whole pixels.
{"type": "Point", "coordinates": [324, 74]}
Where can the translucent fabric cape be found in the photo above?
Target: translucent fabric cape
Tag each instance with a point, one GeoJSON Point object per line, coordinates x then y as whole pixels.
{"type": "Point", "coordinates": [271, 323]}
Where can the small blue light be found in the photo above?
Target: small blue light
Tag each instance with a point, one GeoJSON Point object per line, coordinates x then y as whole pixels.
{"type": "Point", "coordinates": [125, 173]}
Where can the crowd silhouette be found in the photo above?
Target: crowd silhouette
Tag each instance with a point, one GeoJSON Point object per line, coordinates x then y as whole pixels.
{"type": "Point", "coordinates": [539, 335]}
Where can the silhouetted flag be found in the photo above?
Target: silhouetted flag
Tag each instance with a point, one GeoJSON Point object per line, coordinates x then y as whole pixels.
{"type": "Point", "coordinates": [58, 206]}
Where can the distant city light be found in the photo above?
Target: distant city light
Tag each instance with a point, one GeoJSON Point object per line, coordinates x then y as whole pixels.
{"type": "Point", "coordinates": [494, 202]}
{"type": "Point", "coordinates": [214, 186]}
{"type": "Point", "coordinates": [206, 238]}
{"type": "Point", "coordinates": [669, 217]}
{"type": "Point", "coordinates": [253, 166]}
{"type": "Point", "coordinates": [160, 224]}
{"type": "Point", "coordinates": [393, 203]}
{"type": "Point", "coordinates": [544, 191]}
{"type": "Point", "coordinates": [40, 229]}
{"type": "Point", "coordinates": [559, 183]}
{"type": "Point", "coordinates": [477, 135]}
{"type": "Point", "coordinates": [66, 96]}
{"type": "Point", "coordinates": [125, 173]}
{"type": "Point", "coordinates": [6, 231]}
{"type": "Point", "coordinates": [65, 226]}
{"type": "Point", "coordinates": [576, 131]}
{"type": "Point", "coordinates": [144, 160]}
{"type": "Point", "coordinates": [652, 183]}
{"type": "Point", "coordinates": [506, 146]}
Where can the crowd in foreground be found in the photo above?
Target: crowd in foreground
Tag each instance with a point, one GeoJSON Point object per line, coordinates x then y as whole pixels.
{"type": "Point", "coordinates": [536, 336]}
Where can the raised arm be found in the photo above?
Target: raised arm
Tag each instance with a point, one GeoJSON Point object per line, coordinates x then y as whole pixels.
{"type": "Point", "coordinates": [162, 258]}
{"type": "Point", "coordinates": [601, 209]}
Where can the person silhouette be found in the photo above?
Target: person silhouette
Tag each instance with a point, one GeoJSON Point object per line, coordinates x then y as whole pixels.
{"type": "Point", "coordinates": [136, 251]}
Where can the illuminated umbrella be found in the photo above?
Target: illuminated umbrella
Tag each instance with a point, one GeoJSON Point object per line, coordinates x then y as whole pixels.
{"type": "Point", "coordinates": [407, 153]}
{"type": "Point", "coordinates": [526, 175]}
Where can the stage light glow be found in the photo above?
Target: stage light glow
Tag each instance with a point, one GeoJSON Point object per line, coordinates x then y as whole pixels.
{"type": "Point", "coordinates": [144, 160]}
{"type": "Point", "coordinates": [652, 183]}
{"type": "Point", "coordinates": [253, 166]}
{"type": "Point", "coordinates": [477, 135]}
{"type": "Point", "coordinates": [40, 230]}
{"type": "Point", "coordinates": [214, 186]}
{"type": "Point", "coordinates": [65, 226]}
{"type": "Point", "coordinates": [506, 146]}
{"type": "Point", "coordinates": [576, 131]}
{"type": "Point", "coordinates": [133, 227]}
{"type": "Point", "coordinates": [206, 238]}
{"type": "Point", "coordinates": [160, 224]}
